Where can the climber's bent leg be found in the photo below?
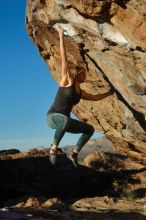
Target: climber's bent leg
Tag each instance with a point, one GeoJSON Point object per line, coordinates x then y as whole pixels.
{"type": "Point", "coordinates": [76, 126]}
{"type": "Point", "coordinates": [59, 122]}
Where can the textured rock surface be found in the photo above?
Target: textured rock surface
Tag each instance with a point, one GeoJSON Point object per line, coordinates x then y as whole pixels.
{"type": "Point", "coordinates": [103, 208]}
{"type": "Point", "coordinates": [108, 38]}
{"type": "Point", "coordinates": [28, 178]}
{"type": "Point", "coordinates": [105, 186]}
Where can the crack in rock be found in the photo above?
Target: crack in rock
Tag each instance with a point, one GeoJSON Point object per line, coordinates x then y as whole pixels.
{"type": "Point", "coordinates": [140, 118]}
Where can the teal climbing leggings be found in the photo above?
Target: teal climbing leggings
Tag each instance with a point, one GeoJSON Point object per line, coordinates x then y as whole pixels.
{"type": "Point", "coordinates": [64, 124]}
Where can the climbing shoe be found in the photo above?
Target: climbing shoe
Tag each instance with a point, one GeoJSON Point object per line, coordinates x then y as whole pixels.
{"type": "Point", "coordinates": [53, 155]}
{"type": "Point", "coordinates": [73, 156]}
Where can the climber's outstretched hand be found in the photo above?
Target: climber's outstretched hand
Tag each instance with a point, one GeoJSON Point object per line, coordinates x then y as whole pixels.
{"type": "Point", "coordinates": [61, 32]}
{"type": "Point", "coordinates": [111, 91]}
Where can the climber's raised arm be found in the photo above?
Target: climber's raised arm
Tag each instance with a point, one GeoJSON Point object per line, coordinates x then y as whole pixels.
{"type": "Point", "coordinates": [67, 78]}
{"type": "Point", "coordinates": [98, 97]}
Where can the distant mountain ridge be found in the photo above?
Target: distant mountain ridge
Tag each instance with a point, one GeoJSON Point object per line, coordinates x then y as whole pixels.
{"type": "Point", "coordinates": [93, 145]}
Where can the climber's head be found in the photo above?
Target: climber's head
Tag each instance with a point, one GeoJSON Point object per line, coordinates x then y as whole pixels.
{"type": "Point", "coordinates": [80, 74]}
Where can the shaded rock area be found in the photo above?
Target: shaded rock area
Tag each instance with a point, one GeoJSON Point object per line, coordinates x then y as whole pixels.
{"type": "Point", "coordinates": [72, 213]}
{"type": "Point", "coordinates": [105, 185]}
{"type": "Point", "coordinates": [108, 39]}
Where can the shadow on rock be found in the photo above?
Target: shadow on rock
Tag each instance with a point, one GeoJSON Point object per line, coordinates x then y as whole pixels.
{"type": "Point", "coordinates": [72, 214]}
{"type": "Point", "coordinates": [36, 176]}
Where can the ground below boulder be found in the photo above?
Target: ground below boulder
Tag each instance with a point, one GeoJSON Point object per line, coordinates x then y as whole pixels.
{"type": "Point", "coordinates": [28, 179]}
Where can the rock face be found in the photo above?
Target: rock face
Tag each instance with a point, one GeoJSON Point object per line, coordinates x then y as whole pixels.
{"type": "Point", "coordinates": [107, 38]}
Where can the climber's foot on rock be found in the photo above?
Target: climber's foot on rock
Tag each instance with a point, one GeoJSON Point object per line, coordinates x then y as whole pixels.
{"type": "Point", "coordinates": [53, 155]}
{"type": "Point", "coordinates": [73, 156]}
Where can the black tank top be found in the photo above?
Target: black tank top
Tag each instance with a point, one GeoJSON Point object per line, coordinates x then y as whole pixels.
{"type": "Point", "coordinates": [65, 99]}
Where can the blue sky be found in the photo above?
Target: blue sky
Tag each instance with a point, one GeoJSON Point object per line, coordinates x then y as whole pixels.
{"type": "Point", "coordinates": [27, 88]}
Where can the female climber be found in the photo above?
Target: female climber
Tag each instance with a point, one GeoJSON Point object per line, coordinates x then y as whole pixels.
{"type": "Point", "coordinates": [68, 95]}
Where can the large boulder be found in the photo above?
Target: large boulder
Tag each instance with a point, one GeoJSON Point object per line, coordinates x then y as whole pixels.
{"type": "Point", "coordinates": [107, 38]}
